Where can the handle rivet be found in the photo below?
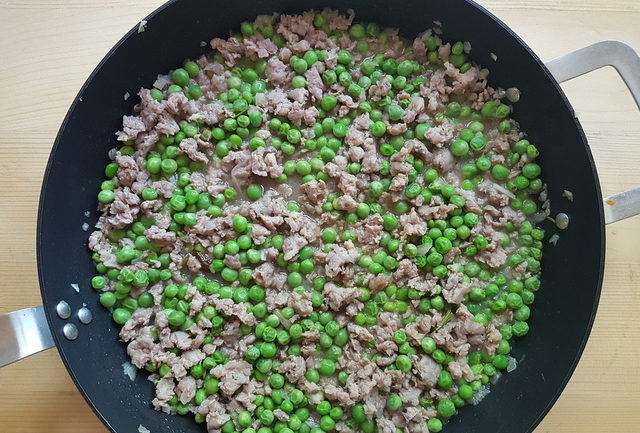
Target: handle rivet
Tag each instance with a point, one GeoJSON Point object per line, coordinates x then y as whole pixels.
{"type": "Point", "coordinates": [70, 331]}
{"type": "Point", "coordinates": [512, 94]}
{"type": "Point", "coordinates": [63, 309]}
{"type": "Point", "coordinates": [562, 220]}
{"type": "Point", "coordinates": [84, 315]}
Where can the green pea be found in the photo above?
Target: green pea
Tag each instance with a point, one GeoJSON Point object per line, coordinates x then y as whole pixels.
{"type": "Point", "coordinates": [312, 376]}
{"type": "Point", "coordinates": [106, 196]}
{"type": "Point", "coordinates": [108, 300]}
{"type": "Point", "coordinates": [395, 112]}
{"type": "Point", "coordinates": [453, 109]}
{"type": "Point", "coordinates": [445, 380]}
{"type": "Point", "coordinates": [326, 367]}
{"type": "Point", "coordinates": [180, 77]}
{"type": "Point", "coordinates": [294, 279]}
{"type": "Point", "coordinates": [255, 191]}
{"type": "Point", "coordinates": [499, 172]}
{"type": "Point", "coordinates": [276, 381]}
{"type": "Point", "coordinates": [403, 363]}
{"type": "Point", "coordinates": [446, 408]}
{"type": "Point", "coordinates": [459, 148]}
{"type": "Point", "coordinates": [195, 92]}
{"type": "Point", "coordinates": [327, 423]}
{"type": "Point", "coordinates": [329, 235]}
{"type": "Point", "coordinates": [344, 57]}
{"type": "Point", "coordinates": [434, 425]}
{"type": "Point", "coordinates": [300, 66]}
{"type": "Point", "coordinates": [378, 128]}
{"type": "Point", "coordinates": [394, 402]}
{"type": "Point", "coordinates": [229, 274]}
{"type": "Point", "coordinates": [268, 350]}
{"type": "Point", "coordinates": [240, 223]}
{"type": "Point", "coordinates": [176, 318]}
{"type": "Point", "coordinates": [121, 315]}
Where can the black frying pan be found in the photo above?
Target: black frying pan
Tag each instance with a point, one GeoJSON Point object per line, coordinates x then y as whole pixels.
{"type": "Point", "coordinates": [561, 319]}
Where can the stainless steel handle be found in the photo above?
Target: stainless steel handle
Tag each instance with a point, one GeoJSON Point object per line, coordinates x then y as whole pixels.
{"type": "Point", "coordinates": [23, 333]}
{"type": "Point", "coordinates": [627, 63]}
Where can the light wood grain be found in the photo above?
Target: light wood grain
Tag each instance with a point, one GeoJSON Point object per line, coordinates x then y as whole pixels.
{"type": "Point", "coordinates": [48, 48]}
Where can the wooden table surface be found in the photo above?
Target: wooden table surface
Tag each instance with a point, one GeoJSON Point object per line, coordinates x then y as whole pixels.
{"type": "Point", "coordinates": [49, 47]}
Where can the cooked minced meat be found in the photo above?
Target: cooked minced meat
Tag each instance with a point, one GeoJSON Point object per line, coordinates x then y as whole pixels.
{"type": "Point", "coordinates": [319, 226]}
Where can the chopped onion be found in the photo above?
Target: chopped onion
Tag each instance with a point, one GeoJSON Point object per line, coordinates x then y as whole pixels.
{"type": "Point", "coordinates": [75, 287]}
{"type": "Point", "coordinates": [424, 35]}
{"type": "Point", "coordinates": [422, 249]}
{"type": "Point", "coordinates": [543, 194]}
{"type": "Point", "coordinates": [112, 154]}
{"type": "Point", "coordinates": [554, 238]}
{"type": "Point", "coordinates": [264, 134]}
{"type": "Point", "coordinates": [126, 96]}
{"type": "Point", "coordinates": [494, 57]}
{"type": "Point", "coordinates": [87, 213]}
{"type": "Point", "coordinates": [161, 82]}
{"type": "Point", "coordinates": [129, 370]}
{"type": "Point", "coordinates": [480, 395]}
{"type": "Point", "coordinates": [142, 26]}
{"type": "Point", "coordinates": [496, 377]}
{"type": "Point", "coordinates": [203, 44]}
{"type": "Point", "coordinates": [235, 183]}
{"type": "Point", "coordinates": [437, 23]}
{"type": "Point", "coordinates": [143, 429]}
{"type": "Point", "coordinates": [285, 322]}
{"type": "Point", "coordinates": [503, 190]}
{"type": "Point", "coordinates": [260, 100]}
{"type": "Point", "coordinates": [466, 45]}
{"type": "Point", "coordinates": [85, 227]}
{"type": "Point", "coordinates": [154, 377]}
{"type": "Point", "coordinates": [173, 179]}
{"type": "Point", "coordinates": [541, 216]}
{"type": "Point", "coordinates": [567, 194]}
{"type": "Point", "coordinates": [513, 364]}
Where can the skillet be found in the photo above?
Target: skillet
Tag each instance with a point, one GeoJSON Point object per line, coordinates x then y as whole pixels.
{"type": "Point", "coordinates": [559, 327]}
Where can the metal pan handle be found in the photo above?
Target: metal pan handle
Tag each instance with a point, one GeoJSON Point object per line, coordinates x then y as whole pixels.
{"type": "Point", "coordinates": [23, 333]}
{"type": "Point", "coordinates": [627, 63]}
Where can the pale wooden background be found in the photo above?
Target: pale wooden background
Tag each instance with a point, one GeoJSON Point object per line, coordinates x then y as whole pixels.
{"type": "Point", "coordinates": [49, 47]}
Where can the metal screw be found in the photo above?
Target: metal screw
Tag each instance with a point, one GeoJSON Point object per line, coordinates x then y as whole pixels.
{"type": "Point", "coordinates": [84, 315]}
{"type": "Point", "coordinates": [63, 309]}
{"type": "Point", "coordinates": [70, 331]}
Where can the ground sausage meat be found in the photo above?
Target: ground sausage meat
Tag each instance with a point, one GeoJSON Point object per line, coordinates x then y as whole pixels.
{"type": "Point", "coordinates": [320, 222]}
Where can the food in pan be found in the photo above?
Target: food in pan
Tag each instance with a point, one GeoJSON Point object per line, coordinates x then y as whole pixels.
{"type": "Point", "coordinates": [320, 226]}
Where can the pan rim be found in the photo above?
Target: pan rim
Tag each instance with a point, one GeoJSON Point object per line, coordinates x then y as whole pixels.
{"type": "Point", "coordinates": [587, 332]}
